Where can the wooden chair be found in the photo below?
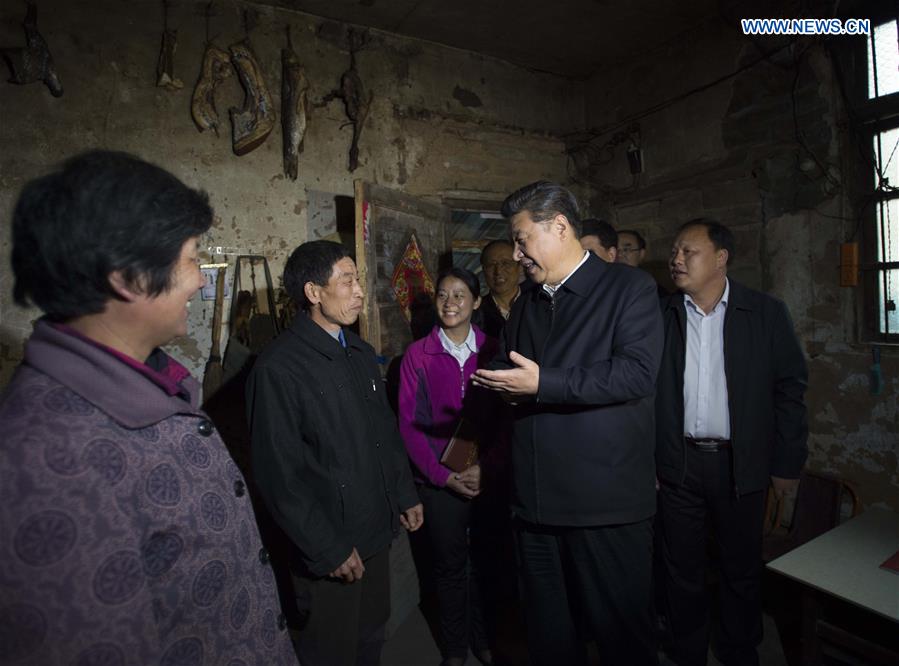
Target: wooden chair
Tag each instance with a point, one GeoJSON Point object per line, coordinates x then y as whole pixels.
{"type": "Point", "coordinates": [816, 510]}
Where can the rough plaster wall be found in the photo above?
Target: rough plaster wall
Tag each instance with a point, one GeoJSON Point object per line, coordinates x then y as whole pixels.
{"type": "Point", "coordinates": [444, 123]}
{"type": "Point", "coordinates": [730, 152]}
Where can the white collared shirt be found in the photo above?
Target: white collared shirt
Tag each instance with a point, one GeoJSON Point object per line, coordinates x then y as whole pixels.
{"type": "Point", "coordinates": [706, 414]}
{"type": "Point", "coordinates": [551, 290]}
{"type": "Point", "coordinates": [460, 352]}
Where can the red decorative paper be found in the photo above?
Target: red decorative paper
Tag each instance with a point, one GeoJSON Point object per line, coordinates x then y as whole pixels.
{"type": "Point", "coordinates": [366, 210]}
{"type": "Point", "coordinates": [411, 278]}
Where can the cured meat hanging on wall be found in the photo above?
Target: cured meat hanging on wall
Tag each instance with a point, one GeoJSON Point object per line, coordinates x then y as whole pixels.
{"type": "Point", "coordinates": [253, 122]}
{"type": "Point", "coordinates": [165, 68]}
{"type": "Point", "coordinates": [216, 68]}
{"type": "Point", "coordinates": [294, 87]}
{"type": "Point", "coordinates": [33, 62]}
{"type": "Point", "coordinates": [352, 92]}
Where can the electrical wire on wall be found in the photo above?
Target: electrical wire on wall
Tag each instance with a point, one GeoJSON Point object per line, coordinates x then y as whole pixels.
{"type": "Point", "coordinates": [592, 155]}
{"type": "Point", "coordinates": [586, 153]}
{"type": "Point", "coordinates": [583, 145]}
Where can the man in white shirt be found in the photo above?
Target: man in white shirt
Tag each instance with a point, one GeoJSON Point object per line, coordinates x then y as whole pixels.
{"type": "Point", "coordinates": [730, 421]}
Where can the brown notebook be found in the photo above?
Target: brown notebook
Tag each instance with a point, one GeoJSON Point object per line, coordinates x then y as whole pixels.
{"type": "Point", "coordinates": [462, 450]}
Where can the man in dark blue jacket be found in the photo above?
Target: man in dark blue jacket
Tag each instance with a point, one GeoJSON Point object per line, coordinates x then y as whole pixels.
{"type": "Point", "coordinates": [579, 356]}
{"type": "Point", "coordinates": [329, 462]}
{"type": "Point", "coordinates": [730, 420]}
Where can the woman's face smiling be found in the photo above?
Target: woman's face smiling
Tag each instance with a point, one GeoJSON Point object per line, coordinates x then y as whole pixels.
{"type": "Point", "coordinates": [455, 304]}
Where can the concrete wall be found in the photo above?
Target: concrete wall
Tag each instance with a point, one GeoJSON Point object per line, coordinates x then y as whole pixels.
{"type": "Point", "coordinates": [444, 124]}
{"type": "Point", "coordinates": [731, 152]}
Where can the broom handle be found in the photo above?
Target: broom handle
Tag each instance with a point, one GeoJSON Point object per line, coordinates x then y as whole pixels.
{"type": "Point", "coordinates": [215, 352]}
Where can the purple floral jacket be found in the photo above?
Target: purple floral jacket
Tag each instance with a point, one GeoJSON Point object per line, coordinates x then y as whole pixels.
{"type": "Point", "coordinates": [128, 536]}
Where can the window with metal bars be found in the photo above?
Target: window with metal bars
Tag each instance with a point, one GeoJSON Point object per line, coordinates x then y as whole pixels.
{"type": "Point", "coordinates": [882, 237]}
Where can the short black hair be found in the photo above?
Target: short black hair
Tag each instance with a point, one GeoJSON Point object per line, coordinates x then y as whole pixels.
{"type": "Point", "coordinates": [544, 200]}
{"type": "Point", "coordinates": [722, 237]}
{"type": "Point", "coordinates": [495, 243]}
{"type": "Point", "coordinates": [311, 262]}
{"type": "Point", "coordinates": [470, 279]}
{"type": "Point", "coordinates": [641, 242]}
{"type": "Point", "coordinates": [101, 212]}
{"type": "Point", "coordinates": [604, 231]}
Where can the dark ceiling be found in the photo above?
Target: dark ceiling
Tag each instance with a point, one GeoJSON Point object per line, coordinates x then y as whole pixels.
{"type": "Point", "coordinates": [572, 38]}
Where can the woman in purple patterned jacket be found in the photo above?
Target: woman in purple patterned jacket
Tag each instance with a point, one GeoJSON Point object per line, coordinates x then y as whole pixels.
{"type": "Point", "coordinates": [128, 534]}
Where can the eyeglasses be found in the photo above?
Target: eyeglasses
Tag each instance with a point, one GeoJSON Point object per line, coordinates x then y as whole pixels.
{"type": "Point", "coordinates": [628, 250]}
{"type": "Point", "coordinates": [505, 265]}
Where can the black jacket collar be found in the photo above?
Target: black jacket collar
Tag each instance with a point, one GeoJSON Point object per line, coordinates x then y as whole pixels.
{"type": "Point", "coordinates": [319, 339]}
{"type": "Point", "coordinates": [582, 281]}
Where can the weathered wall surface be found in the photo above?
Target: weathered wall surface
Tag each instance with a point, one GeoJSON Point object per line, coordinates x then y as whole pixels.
{"type": "Point", "coordinates": [444, 124]}
{"type": "Point", "coordinates": [731, 152]}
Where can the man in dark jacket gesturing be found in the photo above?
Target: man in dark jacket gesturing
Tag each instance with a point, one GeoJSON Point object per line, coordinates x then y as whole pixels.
{"type": "Point", "coordinates": [579, 356]}
{"type": "Point", "coordinates": [730, 420]}
{"type": "Point", "coordinates": [328, 460]}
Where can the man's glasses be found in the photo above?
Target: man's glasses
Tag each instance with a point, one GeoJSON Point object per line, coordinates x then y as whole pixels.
{"type": "Point", "coordinates": [506, 265]}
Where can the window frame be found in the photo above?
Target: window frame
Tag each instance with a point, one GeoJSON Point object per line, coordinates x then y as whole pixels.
{"type": "Point", "coordinates": [876, 115]}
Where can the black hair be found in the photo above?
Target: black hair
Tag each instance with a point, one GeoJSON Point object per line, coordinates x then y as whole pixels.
{"type": "Point", "coordinates": [101, 212]}
{"type": "Point", "coordinates": [311, 262]}
{"type": "Point", "coordinates": [470, 279]}
{"type": "Point", "coordinates": [604, 231]}
{"type": "Point", "coordinates": [641, 242]}
{"type": "Point", "coordinates": [544, 200]}
{"type": "Point", "coordinates": [722, 237]}
{"type": "Point", "coordinates": [495, 243]}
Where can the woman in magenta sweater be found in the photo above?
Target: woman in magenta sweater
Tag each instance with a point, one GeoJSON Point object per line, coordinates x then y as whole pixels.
{"type": "Point", "coordinates": [435, 392]}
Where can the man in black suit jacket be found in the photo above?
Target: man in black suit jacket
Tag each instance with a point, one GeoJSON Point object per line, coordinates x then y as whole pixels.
{"type": "Point", "coordinates": [730, 420]}
{"type": "Point", "coordinates": [579, 356]}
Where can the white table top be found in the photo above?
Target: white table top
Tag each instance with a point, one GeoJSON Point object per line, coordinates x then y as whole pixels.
{"type": "Point", "coordinates": [845, 562]}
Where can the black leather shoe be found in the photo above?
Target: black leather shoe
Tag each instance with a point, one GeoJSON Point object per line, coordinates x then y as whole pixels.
{"type": "Point", "coordinates": [484, 656]}
{"type": "Point", "coordinates": [453, 661]}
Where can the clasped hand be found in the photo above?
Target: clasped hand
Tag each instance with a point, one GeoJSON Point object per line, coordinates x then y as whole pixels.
{"type": "Point", "coordinates": [467, 483]}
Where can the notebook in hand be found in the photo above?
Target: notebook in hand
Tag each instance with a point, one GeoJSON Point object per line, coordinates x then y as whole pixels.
{"type": "Point", "coordinates": [462, 450]}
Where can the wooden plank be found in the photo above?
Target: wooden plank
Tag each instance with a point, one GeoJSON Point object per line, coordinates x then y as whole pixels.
{"type": "Point", "coordinates": [400, 201]}
{"type": "Point", "coordinates": [470, 245]}
{"type": "Point", "coordinates": [871, 652]}
{"type": "Point", "coordinates": [385, 222]}
{"type": "Point", "coordinates": [361, 259]}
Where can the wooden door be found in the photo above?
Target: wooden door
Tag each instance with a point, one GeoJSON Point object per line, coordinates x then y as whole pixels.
{"type": "Point", "coordinates": [385, 223]}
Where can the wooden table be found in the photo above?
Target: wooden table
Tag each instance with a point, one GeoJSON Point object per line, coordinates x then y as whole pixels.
{"type": "Point", "coordinates": [845, 563]}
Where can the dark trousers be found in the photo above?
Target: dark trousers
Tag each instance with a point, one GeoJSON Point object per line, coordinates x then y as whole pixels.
{"type": "Point", "coordinates": [597, 579]}
{"type": "Point", "coordinates": [344, 622]}
{"type": "Point", "coordinates": [457, 571]}
{"type": "Point", "coordinates": [706, 499]}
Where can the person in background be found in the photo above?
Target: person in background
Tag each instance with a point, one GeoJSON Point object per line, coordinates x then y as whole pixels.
{"type": "Point", "coordinates": [129, 536]}
{"type": "Point", "coordinates": [600, 238]}
{"type": "Point", "coordinates": [730, 422]}
{"type": "Point", "coordinates": [632, 251]}
{"type": "Point", "coordinates": [435, 394]}
{"type": "Point", "coordinates": [631, 248]}
{"type": "Point", "coordinates": [328, 460]}
{"type": "Point", "coordinates": [503, 276]}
